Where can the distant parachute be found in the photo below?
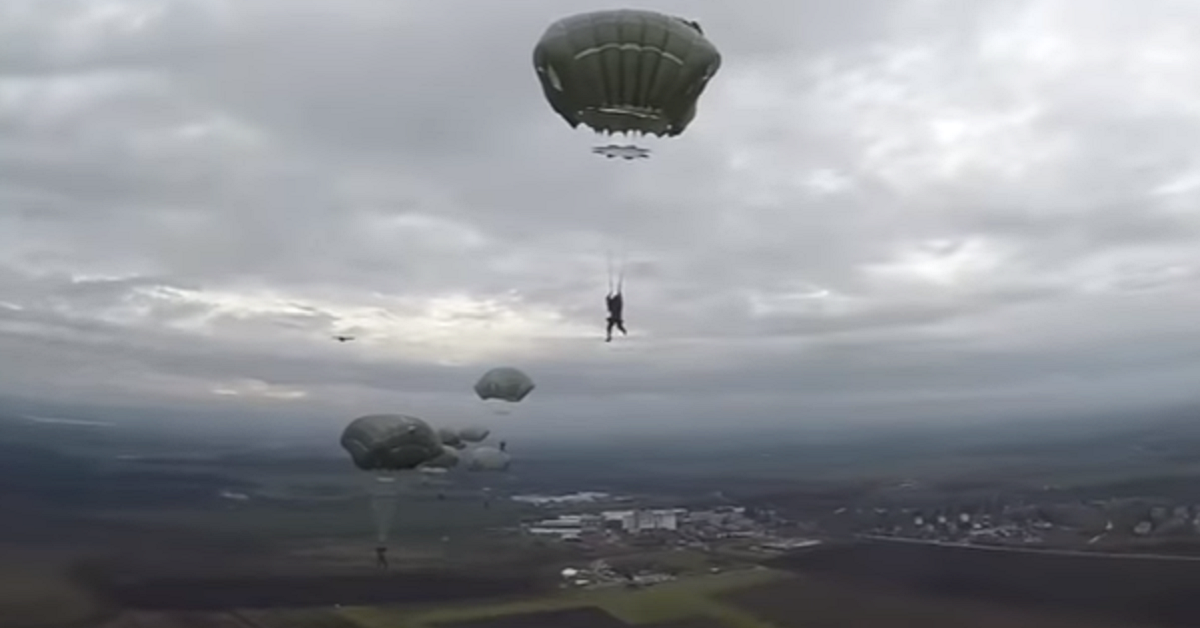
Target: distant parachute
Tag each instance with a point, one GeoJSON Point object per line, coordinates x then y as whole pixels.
{"type": "Point", "coordinates": [625, 71]}
{"type": "Point", "coordinates": [447, 460]}
{"type": "Point", "coordinates": [451, 438]}
{"type": "Point", "coordinates": [474, 434]}
{"type": "Point", "coordinates": [504, 385]}
{"type": "Point", "coordinates": [488, 459]}
{"type": "Point", "coordinates": [387, 444]}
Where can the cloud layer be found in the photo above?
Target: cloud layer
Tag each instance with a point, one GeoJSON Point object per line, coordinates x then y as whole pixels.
{"type": "Point", "coordinates": [884, 211]}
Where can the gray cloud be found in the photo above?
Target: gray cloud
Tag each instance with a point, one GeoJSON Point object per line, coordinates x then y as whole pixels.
{"type": "Point", "coordinates": [884, 211]}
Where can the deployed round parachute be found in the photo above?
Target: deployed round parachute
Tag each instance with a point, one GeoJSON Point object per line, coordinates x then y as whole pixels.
{"type": "Point", "coordinates": [447, 460]}
{"type": "Point", "coordinates": [502, 386]}
{"type": "Point", "coordinates": [474, 434]}
{"type": "Point", "coordinates": [488, 459]}
{"type": "Point", "coordinates": [451, 438]}
{"type": "Point", "coordinates": [390, 442]}
{"type": "Point", "coordinates": [625, 71]}
{"type": "Point", "coordinates": [387, 444]}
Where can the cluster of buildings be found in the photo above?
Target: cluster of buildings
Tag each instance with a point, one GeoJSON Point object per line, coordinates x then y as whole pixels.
{"type": "Point", "coordinates": [575, 526]}
{"type": "Point", "coordinates": [717, 523]}
{"type": "Point", "coordinates": [599, 573]}
{"type": "Point", "coordinates": [960, 526]}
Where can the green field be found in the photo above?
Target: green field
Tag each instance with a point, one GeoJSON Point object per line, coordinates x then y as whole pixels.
{"type": "Point", "coordinates": [687, 598]}
{"type": "Point", "coordinates": [665, 602]}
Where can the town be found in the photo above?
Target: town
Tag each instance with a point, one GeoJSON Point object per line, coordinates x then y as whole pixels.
{"type": "Point", "coordinates": [588, 520]}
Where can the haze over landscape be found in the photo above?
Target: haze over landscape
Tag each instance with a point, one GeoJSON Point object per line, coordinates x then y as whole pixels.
{"type": "Point", "coordinates": [886, 211]}
{"type": "Point", "coordinates": [919, 276]}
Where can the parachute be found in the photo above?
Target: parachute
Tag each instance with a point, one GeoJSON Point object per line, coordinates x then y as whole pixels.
{"type": "Point", "coordinates": [451, 438]}
{"type": "Point", "coordinates": [390, 442]}
{"type": "Point", "coordinates": [387, 444]}
{"type": "Point", "coordinates": [488, 459]}
{"type": "Point", "coordinates": [474, 434]}
{"type": "Point", "coordinates": [448, 459]}
{"type": "Point", "coordinates": [625, 71]}
{"type": "Point", "coordinates": [502, 386]}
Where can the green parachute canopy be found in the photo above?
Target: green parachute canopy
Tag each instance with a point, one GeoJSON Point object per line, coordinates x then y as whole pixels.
{"type": "Point", "coordinates": [474, 434]}
{"type": "Point", "coordinates": [504, 383]}
{"type": "Point", "coordinates": [450, 437]}
{"type": "Point", "coordinates": [625, 71]}
{"type": "Point", "coordinates": [390, 442]}
{"type": "Point", "coordinates": [488, 459]}
{"type": "Point", "coordinates": [448, 459]}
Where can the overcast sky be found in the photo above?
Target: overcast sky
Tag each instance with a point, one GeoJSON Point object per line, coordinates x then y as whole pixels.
{"type": "Point", "coordinates": [885, 210]}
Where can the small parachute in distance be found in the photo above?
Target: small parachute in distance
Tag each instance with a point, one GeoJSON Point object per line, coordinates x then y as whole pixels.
{"type": "Point", "coordinates": [505, 384]}
{"type": "Point", "coordinates": [628, 152]}
{"type": "Point", "coordinates": [447, 460]}
{"type": "Point", "coordinates": [390, 442]}
{"type": "Point", "coordinates": [451, 438]}
{"type": "Point", "coordinates": [625, 71]}
{"type": "Point", "coordinates": [474, 434]}
{"type": "Point", "coordinates": [488, 459]}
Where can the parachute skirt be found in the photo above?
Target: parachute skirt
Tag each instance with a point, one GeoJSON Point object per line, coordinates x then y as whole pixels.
{"type": "Point", "coordinates": [625, 71]}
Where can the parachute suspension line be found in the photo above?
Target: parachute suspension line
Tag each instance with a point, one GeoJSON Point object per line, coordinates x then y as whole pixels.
{"type": "Point", "coordinates": [609, 258]}
{"type": "Point", "coordinates": [499, 407]}
{"type": "Point", "coordinates": [616, 271]}
{"type": "Point", "coordinates": [621, 270]}
{"type": "Point", "coordinates": [384, 497]}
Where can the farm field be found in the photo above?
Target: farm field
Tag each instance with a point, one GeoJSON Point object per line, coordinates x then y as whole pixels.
{"type": "Point", "coordinates": [281, 618]}
{"type": "Point", "coordinates": [670, 601]}
{"type": "Point", "coordinates": [686, 603]}
{"type": "Point", "coordinates": [805, 602]}
{"type": "Point", "coordinates": [1133, 589]}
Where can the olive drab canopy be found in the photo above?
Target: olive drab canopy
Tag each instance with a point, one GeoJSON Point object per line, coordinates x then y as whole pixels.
{"type": "Point", "coordinates": [448, 459]}
{"type": "Point", "coordinates": [625, 71]}
{"type": "Point", "coordinates": [390, 442]}
{"type": "Point", "coordinates": [474, 434]}
{"type": "Point", "coordinates": [504, 383]}
{"type": "Point", "coordinates": [450, 438]}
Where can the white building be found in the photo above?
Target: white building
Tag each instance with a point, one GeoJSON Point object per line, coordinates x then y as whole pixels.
{"type": "Point", "coordinates": [655, 520]}
{"type": "Point", "coordinates": [634, 521]}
